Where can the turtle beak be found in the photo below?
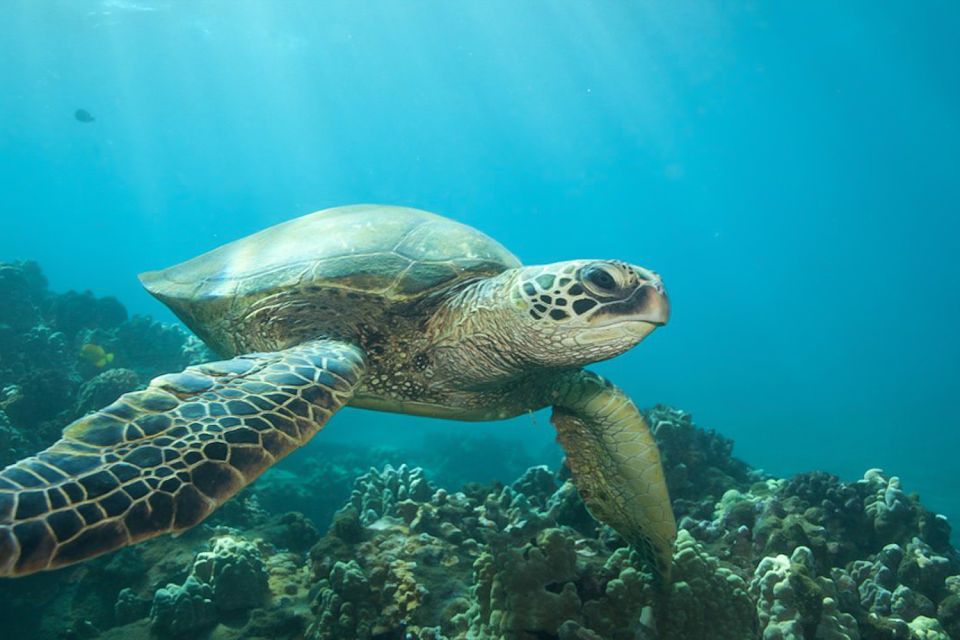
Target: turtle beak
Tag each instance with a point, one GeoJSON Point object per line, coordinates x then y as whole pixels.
{"type": "Point", "coordinates": [654, 313]}
{"type": "Point", "coordinates": [657, 311]}
{"type": "Point", "coordinates": [636, 317]}
{"type": "Point", "coordinates": [650, 299]}
{"type": "Point", "coordinates": [646, 308]}
{"type": "Point", "coordinates": [649, 303]}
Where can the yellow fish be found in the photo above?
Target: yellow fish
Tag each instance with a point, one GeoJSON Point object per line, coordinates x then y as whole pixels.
{"type": "Point", "coordinates": [96, 355]}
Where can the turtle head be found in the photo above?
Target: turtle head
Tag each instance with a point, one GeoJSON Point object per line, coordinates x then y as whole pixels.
{"type": "Point", "coordinates": [584, 311]}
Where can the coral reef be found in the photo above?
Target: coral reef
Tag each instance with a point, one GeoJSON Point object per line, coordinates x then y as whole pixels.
{"type": "Point", "coordinates": [807, 558]}
{"type": "Point", "coordinates": [236, 572]}
{"type": "Point", "coordinates": [64, 354]}
{"type": "Point", "coordinates": [698, 463]}
{"type": "Point", "coordinates": [187, 608]}
{"type": "Point", "coordinates": [426, 552]}
{"type": "Point", "coordinates": [104, 388]}
{"type": "Point", "coordinates": [792, 603]}
{"type": "Point", "coordinates": [230, 577]}
{"type": "Point", "coordinates": [377, 494]}
{"type": "Point", "coordinates": [706, 598]}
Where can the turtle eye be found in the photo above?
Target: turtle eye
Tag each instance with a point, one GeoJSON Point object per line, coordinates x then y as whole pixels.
{"type": "Point", "coordinates": [600, 278]}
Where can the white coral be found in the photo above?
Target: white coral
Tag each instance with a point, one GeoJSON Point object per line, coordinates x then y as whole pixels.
{"type": "Point", "coordinates": [778, 604]}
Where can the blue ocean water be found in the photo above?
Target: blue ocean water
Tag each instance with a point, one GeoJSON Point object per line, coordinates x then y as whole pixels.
{"type": "Point", "coordinates": [792, 169]}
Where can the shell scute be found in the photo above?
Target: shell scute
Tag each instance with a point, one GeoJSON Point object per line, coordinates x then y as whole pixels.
{"type": "Point", "coordinates": [371, 254]}
{"type": "Point", "coordinates": [368, 248]}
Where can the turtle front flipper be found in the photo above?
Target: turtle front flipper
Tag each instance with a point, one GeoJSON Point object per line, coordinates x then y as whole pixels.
{"type": "Point", "coordinates": [162, 459]}
{"type": "Point", "coordinates": [615, 463]}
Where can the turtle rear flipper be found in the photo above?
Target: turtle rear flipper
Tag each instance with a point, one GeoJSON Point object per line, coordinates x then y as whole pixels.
{"type": "Point", "coordinates": [616, 464]}
{"type": "Point", "coordinates": [162, 459]}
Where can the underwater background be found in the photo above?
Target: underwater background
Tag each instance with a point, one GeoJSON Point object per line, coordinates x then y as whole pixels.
{"type": "Point", "coordinates": [791, 169]}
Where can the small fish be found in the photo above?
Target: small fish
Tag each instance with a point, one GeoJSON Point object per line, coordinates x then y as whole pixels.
{"type": "Point", "coordinates": [95, 355]}
{"type": "Point", "coordinates": [82, 115]}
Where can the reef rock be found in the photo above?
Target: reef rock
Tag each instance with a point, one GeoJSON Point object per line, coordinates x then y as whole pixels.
{"type": "Point", "coordinates": [231, 576]}
{"type": "Point", "coordinates": [793, 603]}
{"type": "Point", "coordinates": [697, 462]}
{"type": "Point", "coordinates": [705, 598]}
{"type": "Point", "coordinates": [104, 388]}
{"type": "Point", "coordinates": [184, 609]}
{"type": "Point", "coordinates": [64, 354]}
{"type": "Point", "coordinates": [235, 571]}
{"type": "Point", "coordinates": [377, 493]}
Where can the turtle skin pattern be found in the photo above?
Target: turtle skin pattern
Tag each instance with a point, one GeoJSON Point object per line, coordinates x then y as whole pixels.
{"type": "Point", "coordinates": [162, 459]}
{"type": "Point", "coordinates": [616, 464]}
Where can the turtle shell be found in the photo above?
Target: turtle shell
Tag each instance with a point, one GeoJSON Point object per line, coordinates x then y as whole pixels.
{"type": "Point", "coordinates": [394, 254]}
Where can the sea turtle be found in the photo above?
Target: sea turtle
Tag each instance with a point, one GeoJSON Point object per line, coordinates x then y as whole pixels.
{"type": "Point", "coordinates": [377, 307]}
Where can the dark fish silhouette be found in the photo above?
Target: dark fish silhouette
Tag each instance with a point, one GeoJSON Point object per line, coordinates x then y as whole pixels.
{"type": "Point", "coordinates": [82, 115]}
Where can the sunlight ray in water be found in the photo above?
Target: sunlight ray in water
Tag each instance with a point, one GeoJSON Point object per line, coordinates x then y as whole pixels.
{"type": "Point", "coordinates": [785, 174]}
